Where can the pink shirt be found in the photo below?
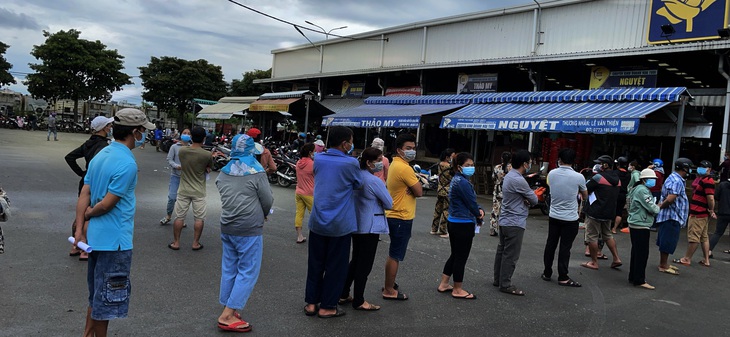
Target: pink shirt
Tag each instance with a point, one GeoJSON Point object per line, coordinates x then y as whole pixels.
{"type": "Point", "coordinates": [384, 173]}
{"type": "Point", "coordinates": [305, 177]}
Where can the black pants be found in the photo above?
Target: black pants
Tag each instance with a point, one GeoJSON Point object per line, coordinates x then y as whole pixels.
{"type": "Point", "coordinates": [639, 255]}
{"type": "Point", "coordinates": [563, 232]}
{"type": "Point", "coordinates": [461, 236]}
{"type": "Point", "coordinates": [326, 269]}
{"type": "Point", "coordinates": [722, 222]}
{"type": "Point", "coordinates": [364, 247]}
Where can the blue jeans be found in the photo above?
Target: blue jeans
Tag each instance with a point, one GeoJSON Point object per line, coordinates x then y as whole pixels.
{"type": "Point", "coordinates": [400, 234]}
{"type": "Point", "coordinates": [55, 135]}
{"type": "Point", "coordinates": [326, 269]}
{"type": "Point", "coordinates": [172, 193]}
{"type": "Point", "coordinates": [109, 284]}
{"type": "Point", "coordinates": [240, 267]}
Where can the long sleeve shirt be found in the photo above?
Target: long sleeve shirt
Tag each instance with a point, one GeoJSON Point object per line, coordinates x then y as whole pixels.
{"type": "Point", "coordinates": [371, 201]}
{"type": "Point", "coordinates": [173, 159]}
{"type": "Point", "coordinates": [245, 203]}
{"type": "Point", "coordinates": [336, 177]}
{"type": "Point", "coordinates": [515, 193]}
{"type": "Point", "coordinates": [463, 205]}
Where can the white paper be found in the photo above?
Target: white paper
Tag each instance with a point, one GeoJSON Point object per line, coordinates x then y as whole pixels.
{"type": "Point", "coordinates": [591, 198]}
{"type": "Point", "coordinates": [82, 245]}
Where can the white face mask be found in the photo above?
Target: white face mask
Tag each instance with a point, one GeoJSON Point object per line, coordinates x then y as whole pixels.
{"type": "Point", "coordinates": [378, 166]}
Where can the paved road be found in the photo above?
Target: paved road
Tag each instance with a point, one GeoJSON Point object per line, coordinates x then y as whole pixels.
{"type": "Point", "coordinates": [175, 293]}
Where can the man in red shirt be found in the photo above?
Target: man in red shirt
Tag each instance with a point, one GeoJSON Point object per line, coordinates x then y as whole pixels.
{"type": "Point", "coordinates": [701, 207]}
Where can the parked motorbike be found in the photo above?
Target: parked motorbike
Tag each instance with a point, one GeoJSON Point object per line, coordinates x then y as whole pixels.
{"type": "Point", "coordinates": [222, 155]}
{"type": "Point", "coordinates": [167, 143]}
{"type": "Point", "coordinates": [538, 183]}
{"type": "Point", "coordinates": [429, 182]}
{"type": "Point", "coordinates": [287, 172]}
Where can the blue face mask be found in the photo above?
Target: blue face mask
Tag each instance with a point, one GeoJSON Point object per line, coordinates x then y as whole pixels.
{"type": "Point", "coordinates": [701, 171]}
{"type": "Point", "coordinates": [138, 143]}
{"type": "Point", "coordinates": [186, 138]}
{"type": "Point", "coordinates": [468, 171]}
{"type": "Point", "coordinates": [650, 183]}
{"type": "Point", "coordinates": [352, 147]}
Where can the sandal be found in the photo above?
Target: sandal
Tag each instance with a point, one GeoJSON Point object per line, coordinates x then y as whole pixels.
{"type": "Point", "coordinates": [310, 313]}
{"type": "Point", "coordinates": [370, 307]}
{"type": "Point", "coordinates": [346, 300]}
{"type": "Point", "coordinates": [647, 286]}
{"type": "Point", "coordinates": [616, 265]}
{"type": "Point", "coordinates": [726, 251]}
{"type": "Point", "coordinates": [704, 264]}
{"type": "Point", "coordinates": [669, 271]}
{"type": "Point", "coordinates": [587, 265]}
{"type": "Point", "coordinates": [398, 297]}
{"type": "Point", "coordinates": [569, 283]}
{"type": "Point", "coordinates": [337, 313]}
{"type": "Point", "coordinates": [512, 290]}
{"type": "Point", "coordinates": [445, 290]}
{"type": "Point", "coordinates": [468, 296]}
{"type": "Point", "coordinates": [240, 326]}
{"type": "Point", "coordinates": [681, 262]}
{"type": "Point", "coordinates": [545, 278]}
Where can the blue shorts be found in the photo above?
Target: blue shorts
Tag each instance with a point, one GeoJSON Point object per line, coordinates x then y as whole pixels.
{"type": "Point", "coordinates": [668, 236]}
{"type": "Point", "coordinates": [400, 234]}
{"type": "Point", "coordinates": [109, 285]}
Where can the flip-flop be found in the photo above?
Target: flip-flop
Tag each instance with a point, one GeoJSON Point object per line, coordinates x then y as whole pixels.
{"type": "Point", "coordinates": [673, 267]}
{"type": "Point", "coordinates": [512, 291]}
{"type": "Point", "coordinates": [344, 300]}
{"type": "Point", "coordinates": [586, 265]}
{"type": "Point", "coordinates": [616, 265]}
{"type": "Point", "coordinates": [669, 271]}
{"type": "Point", "coordinates": [303, 240]}
{"type": "Point", "coordinates": [599, 257]}
{"type": "Point", "coordinates": [76, 253]}
{"type": "Point", "coordinates": [337, 313]}
{"type": "Point", "coordinates": [468, 296]}
{"type": "Point", "coordinates": [702, 263]}
{"type": "Point", "coordinates": [681, 262]}
{"type": "Point", "coordinates": [310, 313]}
{"type": "Point", "coordinates": [569, 283]}
{"type": "Point", "coordinates": [199, 247]}
{"type": "Point", "coordinates": [240, 326]}
{"type": "Point", "coordinates": [726, 251]}
{"type": "Point", "coordinates": [445, 290]}
{"type": "Point", "coordinates": [399, 297]}
{"type": "Point", "coordinates": [173, 248]}
{"type": "Point", "coordinates": [395, 287]}
{"type": "Point", "coordinates": [647, 286]}
{"type": "Point", "coordinates": [545, 278]}
{"type": "Point", "coordinates": [370, 307]}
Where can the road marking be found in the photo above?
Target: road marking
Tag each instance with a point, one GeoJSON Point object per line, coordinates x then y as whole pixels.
{"type": "Point", "coordinates": [668, 302]}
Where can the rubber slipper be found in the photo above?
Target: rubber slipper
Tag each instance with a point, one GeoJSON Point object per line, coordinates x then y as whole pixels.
{"type": "Point", "coordinates": [303, 240]}
{"type": "Point", "coordinates": [616, 265]}
{"type": "Point", "coordinates": [726, 251]}
{"type": "Point", "coordinates": [586, 265]}
{"type": "Point", "coordinates": [399, 297]}
{"type": "Point", "coordinates": [495, 283]}
{"type": "Point", "coordinates": [602, 257]}
{"type": "Point", "coordinates": [445, 290]}
{"type": "Point", "coordinates": [569, 283]}
{"type": "Point", "coordinates": [681, 262]}
{"type": "Point", "coordinates": [337, 313]}
{"type": "Point", "coordinates": [76, 253]}
{"type": "Point", "coordinates": [669, 271]}
{"type": "Point", "coordinates": [468, 296]}
{"type": "Point", "coordinates": [647, 286]}
{"type": "Point", "coordinates": [545, 278]}
{"type": "Point", "coordinates": [240, 326]}
{"type": "Point", "coordinates": [199, 247]}
{"type": "Point", "coordinates": [345, 300]}
{"type": "Point", "coordinates": [512, 291]}
{"type": "Point", "coordinates": [395, 287]}
{"type": "Point", "coordinates": [702, 263]}
{"type": "Point", "coordinates": [673, 267]}
{"type": "Point", "coordinates": [83, 258]}
{"type": "Point", "coordinates": [370, 307]}
{"type": "Point", "coordinates": [310, 313]}
{"type": "Point", "coordinates": [173, 248]}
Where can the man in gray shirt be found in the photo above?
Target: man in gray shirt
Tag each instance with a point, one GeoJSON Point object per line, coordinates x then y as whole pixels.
{"type": "Point", "coordinates": [517, 197]}
{"type": "Point", "coordinates": [565, 185]}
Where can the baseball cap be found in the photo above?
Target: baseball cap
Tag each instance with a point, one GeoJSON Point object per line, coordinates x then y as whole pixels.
{"type": "Point", "coordinates": [253, 132]}
{"type": "Point", "coordinates": [132, 117]}
{"type": "Point", "coordinates": [99, 122]}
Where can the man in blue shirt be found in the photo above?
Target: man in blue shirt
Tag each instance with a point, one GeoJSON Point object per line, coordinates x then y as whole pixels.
{"type": "Point", "coordinates": [105, 216]}
{"type": "Point", "coordinates": [673, 214]}
{"type": "Point", "coordinates": [332, 221]}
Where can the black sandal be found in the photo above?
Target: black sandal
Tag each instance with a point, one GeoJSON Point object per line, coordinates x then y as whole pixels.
{"type": "Point", "coordinates": [569, 283]}
{"type": "Point", "coordinates": [512, 290]}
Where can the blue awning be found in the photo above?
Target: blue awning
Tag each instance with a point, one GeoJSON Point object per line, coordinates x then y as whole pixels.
{"type": "Point", "coordinates": [582, 117]}
{"type": "Point", "coordinates": [594, 95]}
{"type": "Point", "coordinates": [426, 99]}
{"type": "Point", "coordinates": [386, 115]}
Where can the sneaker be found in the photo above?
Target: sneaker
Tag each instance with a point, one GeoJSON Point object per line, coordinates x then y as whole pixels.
{"type": "Point", "coordinates": [164, 221]}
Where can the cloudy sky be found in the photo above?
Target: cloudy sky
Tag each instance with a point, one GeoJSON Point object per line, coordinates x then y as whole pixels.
{"type": "Point", "coordinates": [232, 37]}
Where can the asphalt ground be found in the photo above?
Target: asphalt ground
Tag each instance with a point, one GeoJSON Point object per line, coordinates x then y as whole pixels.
{"type": "Point", "coordinates": [175, 293]}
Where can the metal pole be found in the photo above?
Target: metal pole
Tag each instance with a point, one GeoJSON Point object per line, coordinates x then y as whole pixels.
{"type": "Point", "coordinates": [308, 101]}
{"type": "Point", "coordinates": [724, 146]}
{"type": "Point", "coordinates": [678, 136]}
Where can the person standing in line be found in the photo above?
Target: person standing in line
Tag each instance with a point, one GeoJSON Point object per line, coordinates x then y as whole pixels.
{"type": "Point", "coordinates": [173, 160]}
{"type": "Point", "coordinates": [658, 166]}
{"type": "Point", "coordinates": [464, 215]}
{"type": "Point", "coordinates": [517, 198]}
{"type": "Point", "coordinates": [701, 208]}
{"type": "Point", "coordinates": [565, 187]}
{"type": "Point", "coordinates": [383, 174]}
{"type": "Point", "coordinates": [605, 188]}
{"type": "Point", "coordinates": [158, 138]}
{"type": "Point", "coordinates": [195, 164]}
{"type": "Point", "coordinates": [265, 158]}
{"type": "Point", "coordinates": [673, 214]}
{"type": "Point", "coordinates": [725, 167]}
{"type": "Point", "coordinates": [624, 176]}
{"type": "Point", "coordinates": [722, 196]}
{"type": "Point", "coordinates": [642, 210]}
{"type": "Point", "coordinates": [105, 216]}
{"type": "Point", "coordinates": [333, 219]}
{"type": "Point", "coordinates": [404, 187]}
{"type": "Point", "coordinates": [52, 127]}
{"type": "Point", "coordinates": [304, 194]}
{"type": "Point", "coordinates": [101, 128]}
{"type": "Point", "coordinates": [498, 177]}
{"type": "Point", "coordinates": [441, 210]}
{"type": "Point", "coordinates": [370, 204]}
{"type": "Point", "coordinates": [246, 200]}
{"type": "Point", "coordinates": [635, 171]}
{"type": "Point", "coordinates": [318, 146]}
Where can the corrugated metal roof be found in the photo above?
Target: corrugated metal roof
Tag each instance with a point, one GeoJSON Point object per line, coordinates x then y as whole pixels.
{"type": "Point", "coordinates": [339, 104]}
{"type": "Point", "coordinates": [287, 94]}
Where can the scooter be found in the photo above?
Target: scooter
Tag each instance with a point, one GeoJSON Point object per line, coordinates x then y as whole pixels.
{"type": "Point", "coordinates": [538, 183]}
{"type": "Point", "coordinates": [428, 181]}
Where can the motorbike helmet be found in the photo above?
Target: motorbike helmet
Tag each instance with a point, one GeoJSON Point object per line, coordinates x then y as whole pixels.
{"type": "Point", "coordinates": [302, 135]}
{"type": "Point", "coordinates": [706, 164]}
{"type": "Point", "coordinates": [622, 162]}
{"type": "Point", "coordinates": [657, 162]}
{"type": "Point", "coordinates": [604, 159]}
{"type": "Point", "coordinates": [683, 164]}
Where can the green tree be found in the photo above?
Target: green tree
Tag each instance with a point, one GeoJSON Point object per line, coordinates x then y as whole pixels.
{"type": "Point", "coordinates": [75, 68]}
{"type": "Point", "coordinates": [5, 77]}
{"type": "Point", "coordinates": [246, 87]}
{"type": "Point", "coordinates": [172, 83]}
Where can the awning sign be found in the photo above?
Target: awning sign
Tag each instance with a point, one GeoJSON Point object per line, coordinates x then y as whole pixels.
{"type": "Point", "coordinates": [595, 126]}
{"type": "Point", "coordinates": [352, 89]}
{"type": "Point", "coordinates": [476, 83]}
{"type": "Point", "coordinates": [369, 122]}
{"type": "Point", "coordinates": [603, 78]}
{"type": "Point", "coordinates": [690, 20]}
{"type": "Point", "coordinates": [404, 91]}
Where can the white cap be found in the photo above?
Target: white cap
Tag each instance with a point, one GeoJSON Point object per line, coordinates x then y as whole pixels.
{"type": "Point", "coordinates": [100, 122]}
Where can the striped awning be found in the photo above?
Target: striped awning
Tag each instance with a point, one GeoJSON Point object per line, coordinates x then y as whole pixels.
{"type": "Point", "coordinates": [386, 115]}
{"type": "Point", "coordinates": [594, 95]}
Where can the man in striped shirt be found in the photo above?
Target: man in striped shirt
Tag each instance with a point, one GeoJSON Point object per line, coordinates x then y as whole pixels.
{"type": "Point", "coordinates": [673, 214]}
{"type": "Point", "coordinates": [701, 208]}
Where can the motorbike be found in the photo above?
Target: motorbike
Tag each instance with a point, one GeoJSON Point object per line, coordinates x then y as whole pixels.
{"type": "Point", "coordinates": [429, 181]}
{"type": "Point", "coordinates": [167, 143]}
{"type": "Point", "coordinates": [222, 155]}
{"type": "Point", "coordinates": [538, 183]}
{"type": "Point", "coordinates": [286, 173]}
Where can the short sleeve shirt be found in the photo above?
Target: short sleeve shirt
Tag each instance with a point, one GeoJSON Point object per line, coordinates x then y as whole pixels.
{"type": "Point", "coordinates": [400, 178]}
{"type": "Point", "coordinates": [113, 170]}
{"type": "Point", "coordinates": [194, 162]}
{"type": "Point", "coordinates": [698, 205]}
{"type": "Point", "coordinates": [565, 184]}
{"type": "Point", "coordinates": [678, 210]}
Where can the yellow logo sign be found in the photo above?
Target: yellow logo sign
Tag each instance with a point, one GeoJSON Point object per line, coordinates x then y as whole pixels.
{"type": "Point", "coordinates": [677, 11]}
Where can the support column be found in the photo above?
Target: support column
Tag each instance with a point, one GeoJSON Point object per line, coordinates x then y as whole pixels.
{"type": "Point", "coordinates": [724, 146]}
{"type": "Point", "coordinates": [680, 126]}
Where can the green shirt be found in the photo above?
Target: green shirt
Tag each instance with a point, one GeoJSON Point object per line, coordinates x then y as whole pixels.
{"type": "Point", "coordinates": [194, 162]}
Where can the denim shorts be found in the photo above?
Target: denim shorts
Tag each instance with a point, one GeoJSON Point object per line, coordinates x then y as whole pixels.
{"type": "Point", "coordinates": [668, 236]}
{"type": "Point", "coordinates": [109, 285]}
{"type": "Point", "coordinates": [400, 234]}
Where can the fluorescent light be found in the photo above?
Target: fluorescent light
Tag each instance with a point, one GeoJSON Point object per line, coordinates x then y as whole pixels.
{"type": "Point", "coordinates": [652, 60]}
{"type": "Point", "coordinates": [664, 64]}
{"type": "Point", "coordinates": [697, 82]}
{"type": "Point", "coordinates": [551, 79]}
{"type": "Point", "coordinates": [681, 74]}
{"type": "Point", "coordinates": [590, 64]}
{"type": "Point", "coordinates": [689, 78]}
{"type": "Point", "coordinates": [672, 69]}
{"type": "Point", "coordinates": [568, 86]}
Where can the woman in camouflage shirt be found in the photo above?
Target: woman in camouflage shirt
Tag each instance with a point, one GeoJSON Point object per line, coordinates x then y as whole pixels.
{"type": "Point", "coordinates": [441, 211]}
{"type": "Point", "coordinates": [498, 175]}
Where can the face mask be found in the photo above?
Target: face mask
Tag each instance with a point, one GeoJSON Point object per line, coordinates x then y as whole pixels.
{"type": "Point", "coordinates": [378, 166]}
{"type": "Point", "coordinates": [701, 171]}
{"type": "Point", "coordinates": [352, 147]}
{"type": "Point", "coordinates": [468, 171]}
{"type": "Point", "coordinates": [409, 155]}
{"type": "Point", "coordinates": [110, 133]}
{"type": "Point", "coordinates": [529, 167]}
{"type": "Point", "coordinates": [631, 168]}
{"type": "Point", "coordinates": [138, 143]}
{"type": "Point", "coordinates": [186, 138]}
{"type": "Point", "coordinates": [650, 183]}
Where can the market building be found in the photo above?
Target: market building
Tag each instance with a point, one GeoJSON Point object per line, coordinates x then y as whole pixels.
{"type": "Point", "coordinates": [556, 47]}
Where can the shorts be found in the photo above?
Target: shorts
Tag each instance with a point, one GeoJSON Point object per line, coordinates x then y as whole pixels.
{"type": "Point", "coordinates": [400, 234]}
{"type": "Point", "coordinates": [668, 236]}
{"type": "Point", "coordinates": [182, 204]}
{"type": "Point", "coordinates": [697, 229]}
{"type": "Point", "coordinates": [109, 284]}
{"type": "Point", "coordinates": [620, 205]}
{"type": "Point", "coordinates": [595, 227]}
